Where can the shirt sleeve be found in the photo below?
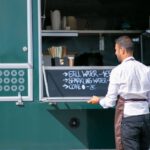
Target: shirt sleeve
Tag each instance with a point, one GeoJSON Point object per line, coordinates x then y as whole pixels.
{"type": "Point", "coordinates": [111, 97]}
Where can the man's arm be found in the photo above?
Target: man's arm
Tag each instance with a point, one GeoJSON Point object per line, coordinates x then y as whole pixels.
{"type": "Point", "coordinates": [110, 99]}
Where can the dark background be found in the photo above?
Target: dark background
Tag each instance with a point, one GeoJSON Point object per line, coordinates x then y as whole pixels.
{"type": "Point", "coordinates": [102, 14]}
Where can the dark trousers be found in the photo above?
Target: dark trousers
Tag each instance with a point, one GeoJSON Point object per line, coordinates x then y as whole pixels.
{"type": "Point", "coordinates": [135, 132]}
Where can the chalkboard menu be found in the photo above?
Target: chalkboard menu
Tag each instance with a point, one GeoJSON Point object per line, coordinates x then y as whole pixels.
{"type": "Point", "coordinates": [77, 82]}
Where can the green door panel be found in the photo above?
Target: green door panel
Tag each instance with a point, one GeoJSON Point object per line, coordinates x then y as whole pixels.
{"type": "Point", "coordinates": [13, 31]}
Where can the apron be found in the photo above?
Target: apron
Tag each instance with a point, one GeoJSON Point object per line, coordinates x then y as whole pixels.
{"type": "Point", "coordinates": [118, 120]}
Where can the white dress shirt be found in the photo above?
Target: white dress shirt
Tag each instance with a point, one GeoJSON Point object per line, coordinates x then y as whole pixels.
{"type": "Point", "coordinates": [130, 80]}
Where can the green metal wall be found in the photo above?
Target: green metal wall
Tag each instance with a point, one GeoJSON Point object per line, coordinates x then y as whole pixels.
{"type": "Point", "coordinates": [40, 126]}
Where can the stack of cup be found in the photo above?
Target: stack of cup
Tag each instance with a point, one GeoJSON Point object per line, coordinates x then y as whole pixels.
{"type": "Point", "coordinates": [71, 60]}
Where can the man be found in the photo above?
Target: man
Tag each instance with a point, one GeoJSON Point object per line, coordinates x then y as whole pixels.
{"type": "Point", "coordinates": [129, 90]}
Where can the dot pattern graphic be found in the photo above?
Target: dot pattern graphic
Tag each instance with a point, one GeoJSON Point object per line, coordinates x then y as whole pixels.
{"type": "Point", "coordinates": [12, 80]}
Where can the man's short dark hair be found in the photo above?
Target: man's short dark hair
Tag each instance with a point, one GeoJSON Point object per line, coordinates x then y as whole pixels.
{"type": "Point", "coordinates": [126, 42]}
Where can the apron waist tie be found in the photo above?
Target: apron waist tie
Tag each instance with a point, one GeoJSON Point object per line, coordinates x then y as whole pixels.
{"type": "Point", "coordinates": [132, 99]}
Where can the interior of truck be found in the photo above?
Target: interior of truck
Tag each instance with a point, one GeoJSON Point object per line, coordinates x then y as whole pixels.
{"type": "Point", "coordinates": [101, 14]}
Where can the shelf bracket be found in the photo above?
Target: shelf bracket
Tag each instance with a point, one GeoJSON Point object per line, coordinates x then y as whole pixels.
{"type": "Point", "coordinates": [101, 43]}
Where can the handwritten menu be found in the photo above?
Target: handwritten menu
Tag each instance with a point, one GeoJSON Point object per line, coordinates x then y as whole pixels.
{"type": "Point", "coordinates": [84, 79]}
{"type": "Point", "coordinates": [77, 83]}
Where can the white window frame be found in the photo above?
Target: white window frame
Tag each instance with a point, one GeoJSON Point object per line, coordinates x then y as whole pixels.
{"type": "Point", "coordinates": [28, 65]}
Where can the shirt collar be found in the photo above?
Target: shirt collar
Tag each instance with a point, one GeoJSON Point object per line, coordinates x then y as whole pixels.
{"type": "Point", "coordinates": [128, 58]}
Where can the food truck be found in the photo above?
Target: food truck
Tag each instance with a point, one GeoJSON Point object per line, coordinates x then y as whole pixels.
{"type": "Point", "coordinates": [55, 55]}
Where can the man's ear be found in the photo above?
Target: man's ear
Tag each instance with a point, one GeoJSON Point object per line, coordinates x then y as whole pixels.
{"type": "Point", "coordinates": [123, 50]}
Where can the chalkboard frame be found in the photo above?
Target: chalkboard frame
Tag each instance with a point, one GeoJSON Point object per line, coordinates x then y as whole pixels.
{"type": "Point", "coordinates": [49, 98]}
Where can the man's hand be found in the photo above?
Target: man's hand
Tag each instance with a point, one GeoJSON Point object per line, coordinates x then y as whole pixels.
{"type": "Point", "coordinates": [94, 100]}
